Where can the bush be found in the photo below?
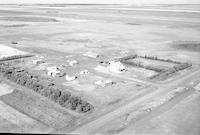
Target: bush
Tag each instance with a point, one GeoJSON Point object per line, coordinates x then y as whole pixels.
{"type": "Point", "coordinates": [37, 87]}
{"type": "Point", "coordinates": [85, 107]}
{"type": "Point", "coordinates": [55, 95]}
{"type": "Point", "coordinates": [29, 83]}
{"type": "Point", "coordinates": [65, 96]}
{"type": "Point", "coordinates": [127, 58]}
{"type": "Point", "coordinates": [47, 91]}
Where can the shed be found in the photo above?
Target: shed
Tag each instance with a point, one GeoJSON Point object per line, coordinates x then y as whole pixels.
{"type": "Point", "coordinates": [105, 83]}
{"type": "Point", "coordinates": [72, 62]}
{"type": "Point", "coordinates": [70, 78]}
{"type": "Point", "coordinates": [84, 72]}
{"type": "Point", "coordinates": [91, 54]}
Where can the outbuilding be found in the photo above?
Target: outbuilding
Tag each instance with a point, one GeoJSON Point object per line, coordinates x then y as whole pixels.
{"type": "Point", "coordinates": [91, 54]}
{"type": "Point", "coordinates": [53, 71]}
{"type": "Point", "coordinates": [84, 72]}
{"type": "Point", "coordinates": [105, 83]}
{"type": "Point", "coordinates": [70, 78]}
{"type": "Point", "coordinates": [38, 61]}
{"type": "Point", "coordinates": [72, 62]}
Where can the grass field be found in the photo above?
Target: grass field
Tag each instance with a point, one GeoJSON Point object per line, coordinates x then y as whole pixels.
{"type": "Point", "coordinates": [16, 121]}
{"type": "Point", "coordinates": [39, 109]}
{"type": "Point", "coordinates": [57, 34]}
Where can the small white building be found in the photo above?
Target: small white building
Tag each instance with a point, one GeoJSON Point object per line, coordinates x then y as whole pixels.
{"type": "Point", "coordinates": [104, 83]}
{"type": "Point", "coordinates": [53, 68]}
{"type": "Point", "coordinates": [116, 67]}
{"type": "Point", "coordinates": [53, 71]}
{"type": "Point", "coordinates": [38, 61]}
{"type": "Point", "coordinates": [70, 78]}
{"type": "Point", "coordinates": [84, 72]}
{"type": "Point", "coordinates": [91, 54]}
{"type": "Point", "coordinates": [72, 62]}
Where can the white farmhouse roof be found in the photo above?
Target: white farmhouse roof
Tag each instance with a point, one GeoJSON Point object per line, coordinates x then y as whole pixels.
{"type": "Point", "coordinates": [116, 67]}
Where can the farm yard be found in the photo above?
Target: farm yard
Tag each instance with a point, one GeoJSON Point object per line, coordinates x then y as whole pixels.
{"type": "Point", "coordinates": [74, 69]}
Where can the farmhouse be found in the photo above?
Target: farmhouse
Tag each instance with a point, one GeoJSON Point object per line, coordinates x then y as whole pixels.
{"type": "Point", "coordinates": [116, 67]}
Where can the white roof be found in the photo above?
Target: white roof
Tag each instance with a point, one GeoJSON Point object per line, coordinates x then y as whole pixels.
{"type": "Point", "coordinates": [70, 78]}
{"type": "Point", "coordinates": [72, 62]}
{"type": "Point", "coordinates": [91, 54]}
{"type": "Point", "coordinates": [52, 68]}
{"type": "Point", "coordinates": [116, 67]}
{"type": "Point", "coordinates": [84, 72]}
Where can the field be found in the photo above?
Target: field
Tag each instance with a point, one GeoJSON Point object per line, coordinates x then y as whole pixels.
{"type": "Point", "coordinates": [159, 64]}
{"type": "Point", "coordinates": [166, 120]}
{"type": "Point", "coordinates": [5, 89]}
{"type": "Point", "coordinates": [13, 120]}
{"type": "Point", "coordinates": [8, 51]}
{"type": "Point", "coordinates": [99, 69]}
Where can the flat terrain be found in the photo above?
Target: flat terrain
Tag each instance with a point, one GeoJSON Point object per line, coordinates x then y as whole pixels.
{"type": "Point", "coordinates": [130, 102]}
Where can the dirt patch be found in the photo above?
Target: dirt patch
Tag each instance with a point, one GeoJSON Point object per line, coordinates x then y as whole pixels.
{"type": "Point", "coordinates": [187, 45]}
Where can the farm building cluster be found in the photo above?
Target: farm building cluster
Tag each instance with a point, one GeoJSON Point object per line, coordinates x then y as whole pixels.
{"type": "Point", "coordinates": [54, 71]}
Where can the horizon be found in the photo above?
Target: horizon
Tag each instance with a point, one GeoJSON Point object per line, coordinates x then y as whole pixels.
{"type": "Point", "coordinates": [136, 2]}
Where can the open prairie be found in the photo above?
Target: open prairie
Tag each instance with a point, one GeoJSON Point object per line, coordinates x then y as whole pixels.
{"type": "Point", "coordinates": [100, 69]}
